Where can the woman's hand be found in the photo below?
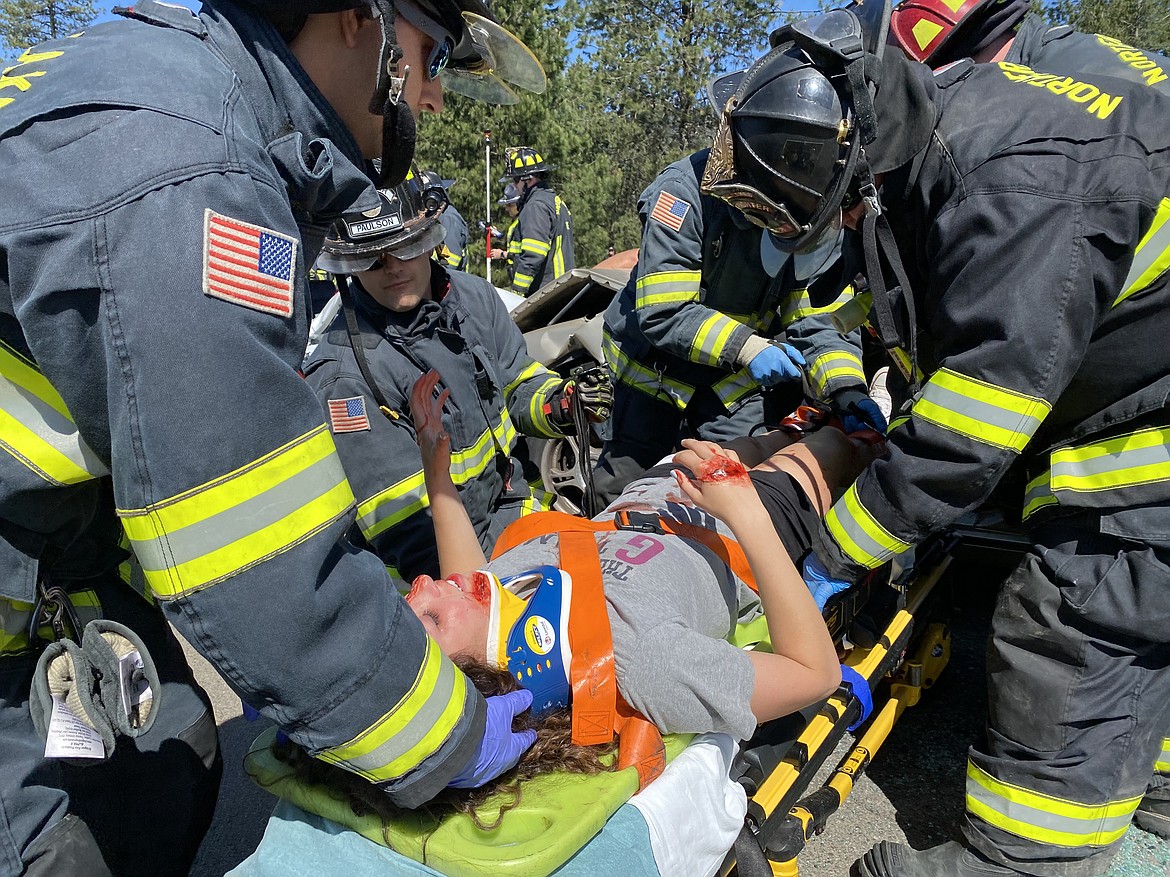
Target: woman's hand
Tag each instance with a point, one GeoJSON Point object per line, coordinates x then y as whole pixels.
{"type": "Point", "coordinates": [721, 485]}
{"type": "Point", "coordinates": [426, 411]}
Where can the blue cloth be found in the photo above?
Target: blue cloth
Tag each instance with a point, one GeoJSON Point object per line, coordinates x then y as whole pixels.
{"type": "Point", "coordinates": [860, 688]}
{"type": "Point", "coordinates": [299, 843]}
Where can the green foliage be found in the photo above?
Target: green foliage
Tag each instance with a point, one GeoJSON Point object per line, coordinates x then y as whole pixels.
{"type": "Point", "coordinates": [25, 23]}
{"type": "Point", "coordinates": [626, 97]}
{"type": "Point", "coordinates": [1141, 23]}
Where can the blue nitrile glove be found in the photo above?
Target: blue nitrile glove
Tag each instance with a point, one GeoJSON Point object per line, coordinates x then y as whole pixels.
{"type": "Point", "coordinates": [500, 748]}
{"type": "Point", "coordinates": [859, 412]}
{"type": "Point", "coordinates": [820, 584]}
{"type": "Point", "coordinates": [776, 364]}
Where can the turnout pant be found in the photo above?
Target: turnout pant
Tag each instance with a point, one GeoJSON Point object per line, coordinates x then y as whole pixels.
{"type": "Point", "coordinates": [1079, 695]}
{"type": "Point", "coordinates": [141, 812]}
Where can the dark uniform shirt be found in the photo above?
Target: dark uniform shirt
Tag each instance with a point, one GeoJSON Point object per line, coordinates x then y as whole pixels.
{"type": "Point", "coordinates": [175, 180]}
{"type": "Point", "coordinates": [454, 248]}
{"type": "Point", "coordinates": [1037, 231]}
{"type": "Point", "coordinates": [497, 391]}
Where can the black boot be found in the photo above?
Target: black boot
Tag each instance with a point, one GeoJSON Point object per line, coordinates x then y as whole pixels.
{"type": "Point", "coordinates": [888, 859]}
{"type": "Point", "coordinates": [1153, 814]}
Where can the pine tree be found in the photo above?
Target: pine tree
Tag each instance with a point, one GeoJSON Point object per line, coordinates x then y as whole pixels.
{"type": "Point", "coordinates": [25, 23]}
{"type": "Point", "coordinates": [1141, 23]}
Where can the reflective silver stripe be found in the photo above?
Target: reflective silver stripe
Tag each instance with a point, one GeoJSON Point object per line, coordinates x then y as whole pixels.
{"type": "Point", "coordinates": [1046, 819]}
{"type": "Point", "coordinates": [36, 428]}
{"type": "Point", "coordinates": [980, 411]}
{"type": "Point", "coordinates": [250, 515]}
{"type": "Point", "coordinates": [711, 339]}
{"type": "Point", "coordinates": [1139, 458]}
{"type": "Point", "coordinates": [734, 387]}
{"type": "Point", "coordinates": [639, 377]}
{"type": "Point", "coordinates": [1151, 258]}
{"type": "Point", "coordinates": [413, 732]}
{"type": "Point", "coordinates": [1162, 765]}
{"type": "Point", "coordinates": [393, 505]}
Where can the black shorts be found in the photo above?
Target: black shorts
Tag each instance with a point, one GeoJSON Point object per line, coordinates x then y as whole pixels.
{"type": "Point", "coordinates": [789, 507]}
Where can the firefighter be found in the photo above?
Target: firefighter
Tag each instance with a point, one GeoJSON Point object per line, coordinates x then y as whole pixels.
{"type": "Point", "coordinates": [1005, 30]}
{"type": "Point", "coordinates": [153, 314]}
{"type": "Point", "coordinates": [453, 251]}
{"type": "Point", "coordinates": [510, 201]}
{"type": "Point", "coordinates": [937, 33]}
{"type": "Point", "coordinates": [1022, 218]}
{"type": "Point", "coordinates": [406, 313]}
{"type": "Point", "coordinates": [695, 336]}
{"type": "Point", "coordinates": [544, 225]}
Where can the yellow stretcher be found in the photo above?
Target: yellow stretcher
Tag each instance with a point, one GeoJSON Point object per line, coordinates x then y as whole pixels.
{"type": "Point", "coordinates": [908, 647]}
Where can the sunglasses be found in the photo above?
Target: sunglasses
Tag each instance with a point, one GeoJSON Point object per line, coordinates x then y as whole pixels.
{"type": "Point", "coordinates": [440, 57]}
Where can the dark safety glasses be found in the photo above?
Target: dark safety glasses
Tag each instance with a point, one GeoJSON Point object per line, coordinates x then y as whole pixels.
{"type": "Point", "coordinates": [440, 57]}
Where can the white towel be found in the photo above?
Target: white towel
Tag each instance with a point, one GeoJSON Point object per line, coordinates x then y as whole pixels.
{"type": "Point", "coordinates": [694, 810]}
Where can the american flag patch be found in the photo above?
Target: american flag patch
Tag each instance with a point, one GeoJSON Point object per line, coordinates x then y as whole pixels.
{"type": "Point", "coordinates": [348, 415]}
{"type": "Point", "coordinates": [248, 265]}
{"type": "Point", "coordinates": [670, 211]}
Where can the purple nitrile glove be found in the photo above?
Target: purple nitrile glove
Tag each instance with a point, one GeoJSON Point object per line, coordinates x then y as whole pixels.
{"type": "Point", "coordinates": [775, 364]}
{"type": "Point", "coordinates": [501, 747]}
{"type": "Point", "coordinates": [820, 584]}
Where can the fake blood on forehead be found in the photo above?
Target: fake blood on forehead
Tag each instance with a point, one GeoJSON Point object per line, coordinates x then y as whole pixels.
{"type": "Point", "coordinates": [719, 469]}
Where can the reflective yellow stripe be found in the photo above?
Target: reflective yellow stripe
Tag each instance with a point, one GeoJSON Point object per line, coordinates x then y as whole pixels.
{"type": "Point", "coordinates": [644, 380]}
{"type": "Point", "coordinates": [522, 281]}
{"type": "Point", "coordinates": [1152, 256]}
{"type": "Point", "coordinates": [408, 496]}
{"type": "Point", "coordinates": [1044, 818]}
{"type": "Point", "coordinates": [1163, 762]}
{"type": "Point", "coordinates": [897, 422]}
{"type": "Point", "coordinates": [711, 339]}
{"type": "Point", "coordinates": [532, 245]}
{"type": "Point", "coordinates": [536, 407]}
{"type": "Point", "coordinates": [530, 372]}
{"type": "Point", "coordinates": [540, 501]}
{"type": "Point", "coordinates": [664, 287]}
{"type": "Point", "coordinates": [413, 730]}
{"type": "Point", "coordinates": [1162, 765]}
{"type": "Point", "coordinates": [36, 427]}
{"type": "Point", "coordinates": [859, 534]}
{"type": "Point", "coordinates": [980, 411]}
{"type": "Point", "coordinates": [16, 615]}
{"type": "Point", "coordinates": [836, 367]}
{"type": "Point", "coordinates": [734, 387]}
{"type": "Point", "coordinates": [1142, 457]}
{"type": "Point", "coordinates": [798, 305]}
{"type": "Point", "coordinates": [220, 528]}
{"type": "Point", "coordinates": [1038, 495]}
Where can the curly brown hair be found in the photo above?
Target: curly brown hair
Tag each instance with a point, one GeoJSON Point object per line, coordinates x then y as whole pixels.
{"type": "Point", "coordinates": [554, 750]}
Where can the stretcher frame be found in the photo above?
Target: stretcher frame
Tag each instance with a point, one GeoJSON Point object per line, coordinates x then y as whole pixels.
{"type": "Point", "coordinates": [911, 652]}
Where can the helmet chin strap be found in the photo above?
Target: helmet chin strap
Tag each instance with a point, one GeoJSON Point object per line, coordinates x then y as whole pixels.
{"type": "Point", "coordinates": [398, 126]}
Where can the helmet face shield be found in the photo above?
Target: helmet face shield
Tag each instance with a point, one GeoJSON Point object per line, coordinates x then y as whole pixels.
{"type": "Point", "coordinates": [499, 63]}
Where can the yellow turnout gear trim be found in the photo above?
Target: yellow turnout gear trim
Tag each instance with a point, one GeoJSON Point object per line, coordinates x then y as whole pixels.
{"type": "Point", "coordinates": [859, 534]}
{"type": "Point", "coordinates": [835, 367]}
{"type": "Point", "coordinates": [205, 535]}
{"type": "Point", "coordinates": [644, 379]}
{"type": "Point", "coordinates": [798, 305]}
{"type": "Point", "coordinates": [36, 427]}
{"type": "Point", "coordinates": [980, 411]}
{"type": "Point", "coordinates": [1046, 818]}
{"type": "Point", "coordinates": [1162, 765]}
{"type": "Point", "coordinates": [1152, 256]}
{"type": "Point", "coordinates": [532, 245]}
{"type": "Point", "coordinates": [1131, 460]}
{"type": "Point", "coordinates": [15, 616]}
{"type": "Point", "coordinates": [393, 745]}
{"type": "Point", "coordinates": [536, 406]}
{"type": "Point", "coordinates": [711, 338]}
{"type": "Point", "coordinates": [666, 287]}
{"type": "Point", "coordinates": [530, 372]}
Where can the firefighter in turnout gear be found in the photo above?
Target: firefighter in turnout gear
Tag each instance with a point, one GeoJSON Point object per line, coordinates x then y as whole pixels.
{"type": "Point", "coordinates": [933, 32]}
{"type": "Point", "coordinates": [544, 225]}
{"type": "Point", "coordinates": [995, 30]}
{"type": "Point", "coordinates": [1057, 373]}
{"type": "Point", "coordinates": [507, 253]}
{"type": "Point", "coordinates": [128, 290]}
{"type": "Point", "coordinates": [404, 313]}
{"type": "Point", "coordinates": [694, 337]}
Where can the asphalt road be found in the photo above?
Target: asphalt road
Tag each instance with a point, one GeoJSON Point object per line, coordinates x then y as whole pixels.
{"type": "Point", "coordinates": [913, 791]}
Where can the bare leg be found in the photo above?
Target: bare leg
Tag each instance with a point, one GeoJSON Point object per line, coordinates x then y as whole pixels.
{"type": "Point", "coordinates": [753, 450]}
{"type": "Point", "coordinates": [823, 464]}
